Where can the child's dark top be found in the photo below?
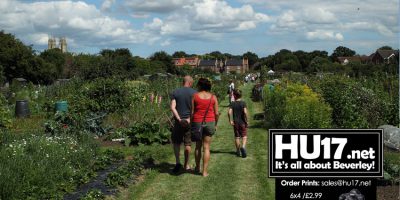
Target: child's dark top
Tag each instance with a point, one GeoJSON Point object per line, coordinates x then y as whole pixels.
{"type": "Point", "coordinates": [239, 117]}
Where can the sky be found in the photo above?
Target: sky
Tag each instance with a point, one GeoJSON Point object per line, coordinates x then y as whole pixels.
{"type": "Point", "coordinates": [202, 26]}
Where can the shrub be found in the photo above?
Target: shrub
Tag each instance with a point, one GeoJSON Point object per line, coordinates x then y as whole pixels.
{"type": "Point", "coordinates": [106, 95]}
{"type": "Point", "coordinates": [275, 103]}
{"type": "Point", "coordinates": [306, 112]}
{"type": "Point", "coordinates": [354, 106]}
{"type": "Point", "coordinates": [296, 106]}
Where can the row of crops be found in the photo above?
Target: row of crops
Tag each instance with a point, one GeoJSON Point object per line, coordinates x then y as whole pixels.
{"type": "Point", "coordinates": [49, 154]}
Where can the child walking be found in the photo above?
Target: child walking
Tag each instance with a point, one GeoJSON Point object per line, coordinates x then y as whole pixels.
{"type": "Point", "coordinates": [238, 116]}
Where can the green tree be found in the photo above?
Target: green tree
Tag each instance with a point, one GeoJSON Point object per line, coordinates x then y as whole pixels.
{"type": "Point", "coordinates": [268, 61]}
{"type": "Point", "coordinates": [253, 58]}
{"type": "Point", "coordinates": [304, 59]}
{"type": "Point", "coordinates": [319, 64]}
{"type": "Point", "coordinates": [385, 48]}
{"type": "Point", "coordinates": [54, 57]}
{"type": "Point", "coordinates": [42, 72]}
{"type": "Point", "coordinates": [118, 62]}
{"type": "Point", "coordinates": [217, 55]}
{"type": "Point", "coordinates": [285, 60]}
{"type": "Point", "coordinates": [166, 59]}
{"type": "Point", "coordinates": [87, 66]}
{"type": "Point", "coordinates": [322, 54]}
{"type": "Point", "coordinates": [342, 51]}
{"type": "Point", "coordinates": [15, 57]}
{"type": "Point", "coordinates": [180, 54]}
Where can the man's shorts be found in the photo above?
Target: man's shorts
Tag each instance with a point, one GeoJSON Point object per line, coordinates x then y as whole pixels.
{"type": "Point", "coordinates": [240, 130]}
{"type": "Point", "coordinates": [181, 134]}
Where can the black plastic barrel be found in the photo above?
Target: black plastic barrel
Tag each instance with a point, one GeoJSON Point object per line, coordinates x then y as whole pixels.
{"type": "Point", "coordinates": [22, 108]}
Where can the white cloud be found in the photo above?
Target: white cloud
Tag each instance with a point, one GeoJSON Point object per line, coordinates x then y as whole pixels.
{"type": "Point", "coordinates": [125, 22]}
{"type": "Point", "coordinates": [88, 25]}
{"type": "Point", "coordinates": [166, 43]}
{"type": "Point", "coordinates": [208, 19]}
{"type": "Point", "coordinates": [300, 19]}
{"type": "Point", "coordinates": [107, 4]}
{"type": "Point", "coordinates": [318, 15]}
{"type": "Point", "coordinates": [324, 35]}
{"type": "Point", "coordinates": [78, 21]}
{"type": "Point", "coordinates": [330, 20]}
{"type": "Point", "coordinates": [205, 19]}
{"type": "Point", "coordinates": [367, 26]}
{"type": "Point", "coordinates": [157, 6]}
{"type": "Point", "coordinates": [220, 16]}
{"type": "Point", "coordinates": [140, 15]}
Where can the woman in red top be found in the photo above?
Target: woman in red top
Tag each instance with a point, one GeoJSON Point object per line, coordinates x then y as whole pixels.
{"type": "Point", "coordinates": [204, 111]}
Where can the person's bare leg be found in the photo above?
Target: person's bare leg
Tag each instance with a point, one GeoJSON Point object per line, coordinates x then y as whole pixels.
{"type": "Point", "coordinates": [244, 142]}
{"type": "Point", "coordinates": [197, 155]}
{"type": "Point", "coordinates": [177, 149]}
{"type": "Point", "coordinates": [237, 143]}
{"type": "Point", "coordinates": [243, 149]}
{"type": "Point", "coordinates": [206, 156]}
{"type": "Point", "coordinates": [188, 148]}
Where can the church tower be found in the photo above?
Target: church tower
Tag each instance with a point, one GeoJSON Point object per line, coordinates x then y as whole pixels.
{"type": "Point", "coordinates": [63, 44]}
{"type": "Point", "coordinates": [52, 43]}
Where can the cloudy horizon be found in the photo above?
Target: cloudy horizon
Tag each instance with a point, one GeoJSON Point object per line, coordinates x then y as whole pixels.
{"type": "Point", "coordinates": [201, 26]}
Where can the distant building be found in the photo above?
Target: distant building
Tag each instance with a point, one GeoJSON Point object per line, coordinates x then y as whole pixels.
{"type": "Point", "coordinates": [239, 66]}
{"type": "Point", "coordinates": [347, 60]}
{"type": "Point", "coordinates": [385, 57]}
{"type": "Point", "coordinates": [63, 44]}
{"type": "Point", "coordinates": [191, 61]}
{"type": "Point", "coordinates": [230, 65]}
{"type": "Point", "coordinates": [211, 65]}
{"type": "Point", "coordinates": [52, 44]}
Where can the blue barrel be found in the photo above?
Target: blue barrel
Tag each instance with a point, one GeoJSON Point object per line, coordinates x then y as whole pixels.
{"type": "Point", "coordinates": [61, 106]}
{"type": "Point", "coordinates": [22, 108]}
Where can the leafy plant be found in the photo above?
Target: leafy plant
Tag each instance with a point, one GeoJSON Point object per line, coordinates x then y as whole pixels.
{"type": "Point", "coordinates": [146, 133]}
{"type": "Point", "coordinates": [5, 113]}
{"type": "Point", "coordinates": [71, 123]}
{"type": "Point", "coordinates": [93, 195]}
{"type": "Point", "coordinates": [296, 106]}
{"type": "Point", "coordinates": [123, 174]}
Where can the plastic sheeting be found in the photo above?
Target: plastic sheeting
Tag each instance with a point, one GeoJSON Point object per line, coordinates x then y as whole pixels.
{"type": "Point", "coordinates": [391, 136]}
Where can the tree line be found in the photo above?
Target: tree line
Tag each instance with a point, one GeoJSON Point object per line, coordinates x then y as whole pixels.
{"type": "Point", "coordinates": [19, 60]}
{"type": "Point", "coordinates": [319, 61]}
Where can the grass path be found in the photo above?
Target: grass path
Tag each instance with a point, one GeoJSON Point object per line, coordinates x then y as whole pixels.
{"type": "Point", "coordinates": [230, 177]}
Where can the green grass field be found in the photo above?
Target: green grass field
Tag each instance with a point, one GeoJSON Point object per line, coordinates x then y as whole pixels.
{"type": "Point", "coordinates": [230, 177]}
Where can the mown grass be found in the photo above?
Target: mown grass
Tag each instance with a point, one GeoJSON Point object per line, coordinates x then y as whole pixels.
{"type": "Point", "coordinates": [230, 177]}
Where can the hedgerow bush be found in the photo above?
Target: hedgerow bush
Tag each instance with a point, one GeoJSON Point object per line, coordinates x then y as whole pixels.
{"type": "Point", "coordinates": [354, 106]}
{"type": "Point", "coordinates": [275, 103]}
{"type": "Point", "coordinates": [296, 106]}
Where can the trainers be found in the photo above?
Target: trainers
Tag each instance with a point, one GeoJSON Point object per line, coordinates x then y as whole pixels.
{"type": "Point", "coordinates": [244, 153]}
{"type": "Point", "coordinates": [177, 168]}
{"type": "Point", "coordinates": [238, 153]}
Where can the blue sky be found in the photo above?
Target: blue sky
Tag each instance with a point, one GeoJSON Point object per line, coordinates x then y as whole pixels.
{"type": "Point", "coordinates": [202, 26]}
